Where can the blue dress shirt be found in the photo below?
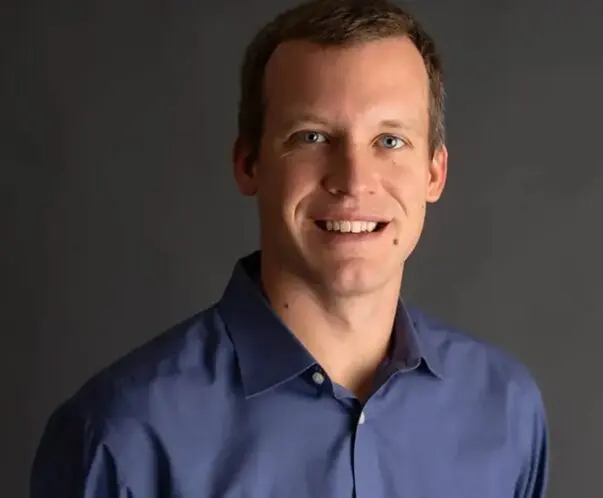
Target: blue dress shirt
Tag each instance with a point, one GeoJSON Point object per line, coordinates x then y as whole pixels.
{"type": "Point", "coordinates": [228, 404]}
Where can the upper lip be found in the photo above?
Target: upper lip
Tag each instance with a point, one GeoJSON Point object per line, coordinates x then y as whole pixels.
{"type": "Point", "coordinates": [349, 216]}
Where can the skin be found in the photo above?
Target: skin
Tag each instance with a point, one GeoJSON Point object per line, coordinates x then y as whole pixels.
{"type": "Point", "coordinates": [345, 138]}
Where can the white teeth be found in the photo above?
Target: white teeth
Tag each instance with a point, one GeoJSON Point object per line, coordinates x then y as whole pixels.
{"type": "Point", "coordinates": [350, 226]}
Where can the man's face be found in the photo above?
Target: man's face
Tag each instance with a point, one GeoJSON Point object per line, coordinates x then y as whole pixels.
{"type": "Point", "coordinates": [344, 171]}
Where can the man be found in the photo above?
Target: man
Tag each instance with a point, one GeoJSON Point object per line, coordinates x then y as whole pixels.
{"type": "Point", "coordinates": [310, 377]}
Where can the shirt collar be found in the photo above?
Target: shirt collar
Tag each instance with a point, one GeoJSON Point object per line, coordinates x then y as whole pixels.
{"type": "Point", "coordinates": [414, 346]}
{"type": "Point", "coordinates": [269, 354]}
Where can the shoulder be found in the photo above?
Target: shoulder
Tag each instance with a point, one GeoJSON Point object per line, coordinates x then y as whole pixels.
{"type": "Point", "coordinates": [119, 415]}
{"type": "Point", "coordinates": [476, 363]}
{"type": "Point", "coordinates": [494, 386]}
{"type": "Point", "coordinates": [132, 385]}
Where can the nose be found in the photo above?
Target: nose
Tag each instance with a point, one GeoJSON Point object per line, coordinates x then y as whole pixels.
{"type": "Point", "coordinates": [352, 172]}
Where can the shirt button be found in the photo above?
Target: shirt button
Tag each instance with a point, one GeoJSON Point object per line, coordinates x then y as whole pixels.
{"type": "Point", "coordinates": [362, 418]}
{"type": "Point", "coordinates": [318, 378]}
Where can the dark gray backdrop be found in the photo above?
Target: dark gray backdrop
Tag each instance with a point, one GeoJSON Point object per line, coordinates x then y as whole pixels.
{"type": "Point", "coordinates": [117, 121]}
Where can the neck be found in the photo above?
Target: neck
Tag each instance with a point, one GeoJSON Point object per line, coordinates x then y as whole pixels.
{"type": "Point", "coordinates": [348, 336]}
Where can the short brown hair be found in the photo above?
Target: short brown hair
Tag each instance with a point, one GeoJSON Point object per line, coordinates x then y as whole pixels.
{"type": "Point", "coordinates": [334, 23]}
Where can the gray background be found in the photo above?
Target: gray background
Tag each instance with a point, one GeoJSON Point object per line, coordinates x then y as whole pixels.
{"type": "Point", "coordinates": [117, 121]}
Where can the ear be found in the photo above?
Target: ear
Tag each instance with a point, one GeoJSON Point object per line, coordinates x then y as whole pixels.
{"type": "Point", "coordinates": [438, 170]}
{"type": "Point", "coordinates": [244, 168]}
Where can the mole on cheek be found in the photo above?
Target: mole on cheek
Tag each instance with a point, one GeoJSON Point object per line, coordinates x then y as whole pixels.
{"type": "Point", "coordinates": [395, 242]}
{"type": "Point", "coordinates": [286, 305]}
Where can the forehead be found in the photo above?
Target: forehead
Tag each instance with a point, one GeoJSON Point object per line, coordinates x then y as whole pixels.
{"type": "Point", "coordinates": [345, 82]}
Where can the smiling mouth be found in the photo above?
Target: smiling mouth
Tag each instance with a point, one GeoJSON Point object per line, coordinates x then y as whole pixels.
{"type": "Point", "coordinates": [353, 227]}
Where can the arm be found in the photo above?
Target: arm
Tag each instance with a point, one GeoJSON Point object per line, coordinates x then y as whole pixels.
{"type": "Point", "coordinates": [71, 461]}
{"type": "Point", "coordinates": [535, 442]}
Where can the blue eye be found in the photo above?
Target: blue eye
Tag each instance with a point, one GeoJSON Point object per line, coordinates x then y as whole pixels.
{"type": "Point", "coordinates": [313, 137]}
{"type": "Point", "coordinates": [391, 142]}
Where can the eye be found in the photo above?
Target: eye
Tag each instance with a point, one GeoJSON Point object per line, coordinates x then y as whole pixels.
{"type": "Point", "coordinates": [312, 137]}
{"type": "Point", "coordinates": [391, 142]}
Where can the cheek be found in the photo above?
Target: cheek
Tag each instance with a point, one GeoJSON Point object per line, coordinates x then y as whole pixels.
{"type": "Point", "coordinates": [408, 185]}
{"type": "Point", "coordinates": [285, 184]}
{"type": "Point", "coordinates": [302, 172]}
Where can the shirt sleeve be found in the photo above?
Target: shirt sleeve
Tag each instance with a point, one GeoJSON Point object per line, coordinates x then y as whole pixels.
{"type": "Point", "coordinates": [71, 461]}
{"type": "Point", "coordinates": [535, 436]}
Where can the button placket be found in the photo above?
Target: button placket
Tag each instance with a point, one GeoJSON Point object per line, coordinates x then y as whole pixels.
{"type": "Point", "coordinates": [366, 464]}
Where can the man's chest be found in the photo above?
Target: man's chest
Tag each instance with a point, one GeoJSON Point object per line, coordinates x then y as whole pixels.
{"type": "Point", "coordinates": [328, 451]}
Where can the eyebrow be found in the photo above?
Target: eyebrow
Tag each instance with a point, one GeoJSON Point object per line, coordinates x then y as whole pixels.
{"type": "Point", "coordinates": [410, 124]}
{"type": "Point", "coordinates": [304, 117]}
{"type": "Point", "coordinates": [311, 118]}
